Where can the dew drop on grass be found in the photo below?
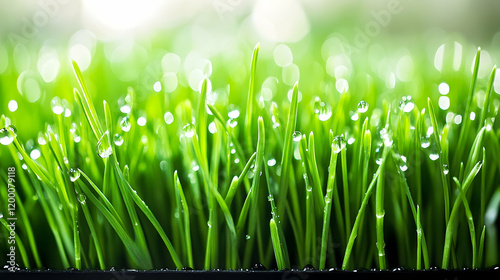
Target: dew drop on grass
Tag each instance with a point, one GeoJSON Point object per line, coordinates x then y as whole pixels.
{"type": "Point", "coordinates": [56, 105]}
{"type": "Point", "coordinates": [403, 167]}
{"type": "Point", "coordinates": [297, 135]}
{"type": "Point", "coordinates": [104, 148]}
{"type": "Point", "coordinates": [317, 105]}
{"type": "Point", "coordinates": [325, 112]}
{"type": "Point", "coordinates": [7, 135]}
{"type": "Point", "coordinates": [168, 117]}
{"type": "Point", "coordinates": [425, 143]}
{"type": "Point", "coordinates": [270, 198]}
{"type": "Point", "coordinates": [362, 107]}
{"type": "Point", "coordinates": [433, 157]}
{"type": "Point", "coordinates": [125, 124]}
{"type": "Point", "coordinates": [118, 140]}
{"type": "Point", "coordinates": [271, 162]}
{"type": "Point", "coordinates": [233, 114]}
{"type": "Point", "coordinates": [81, 198]}
{"type": "Point", "coordinates": [446, 170]}
{"type": "Point", "coordinates": [250, 174]}
{"type": "Point", "coordinates": [212, 128]}
{"type": "Point", "coordinates": [406, 105]}
{"type": "Point", "coordinates": [378, 161]}
{"type": "Point", "coordinates": [247, 237]}
{"type": "Point", "coordinates": [232, 123]}
{"type": "Point", "coordinates": [208, 224]}
{"type": "Point", "coordinates": [338, 144]}
{"type": "Point", "coordinates": [189, 130]}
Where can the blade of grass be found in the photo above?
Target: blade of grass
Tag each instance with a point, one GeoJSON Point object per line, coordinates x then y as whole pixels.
{"type": "Point", "coordinates": [250, 99]}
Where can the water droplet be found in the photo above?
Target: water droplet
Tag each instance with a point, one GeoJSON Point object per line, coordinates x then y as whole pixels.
{"type": "Point", "coordinates": [472, 116]}
{"type": "Point", "coordinates": [433, 157]}
{"type": "Point", "coordinates": [208, 224]}
{"type": "Point", "coordinates": [7, 135]}
{"type": "Point", "coordinates": [362, 107]}
{"type": "Point", "coordinates": [378, 161]}
{"type": "Point", "coordinates": [81, 198]}
{"type": "Point", "coordinates": [338, 144]}
{"type": "Point", "coordinates": [41, 139]}
{"type": "Point", "coordinates": [141, 121]}
{"type": "Point", "coordinates": [406, 105]}
{"type": "Point", "coordinates": [196, 167]}
{"type": "Point", "coordinates": [270, 198]}
{"type": "Point", "coordinates": [317, 105]}
{"type": "Point", "coordinates": [232, 122]}
{"type": "Point", "coordinates": [297, 135]}
{"type": "Point", "coordinates": [233, 151]}
{"type": "Point", "coordinates": [327, 200]}
{"type": "Point", "coordinates": [74, 174]}
{"type": "Point", "coordinates": [271, 162]}
{"type": "Point", "coordinates": [12, 105]}
{"type": "Point", "coordinates": [247, 237]}
{"type": "Point", "coordinates": [351, 141]}
{"type": "Point", "coordinates": [104, 148]}
{"type": "Point", "coordinates": [446, 170]}
{"type": "Point", "coordinates": [1, 215]}
{"type": "Point", "coordinates": [403, 167]}
{"type": "Point", "coordinates": [250, 174]}
{"type": "Point", "coordinates": [212, 128]}
{"type": "Point", "coordinates": [233, 114]}
{"type": "Point", "coordinates": [118, 140]}
{"type": "Point", "coordinates": [425, 143]}
{"type": "Point", "coordinates": [125, 124]}
{"type": "Point", "coordinates": [325, 112]}
{"type": "Point", "coordinates": [56, 105]}
{"type": "Point", "coordinates": [125, 109]}
{"type": "Point", "coordinates": [168, 117]}
{"type": "Point", "coordinates": [189, 130]}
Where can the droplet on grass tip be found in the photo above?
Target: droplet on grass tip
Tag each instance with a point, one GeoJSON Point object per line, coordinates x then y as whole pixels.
{"type": "Point", "coordinates": [362, 107]}
{"type": "Point", "coordinates": [125, 124]}
{"type": "Point", "coordinates": [104, 148]}
{"type": "Point", "coordinates": [189, 130]}
{"type": "Point", "coordinates": [338, 144]}
{"type": "Point", "coordinates": [82, 198]}
{"type": "Point", "coordinates": [232, 123]}
{"type": "Point", "coordinates": [446, 170]}
{"type": "Point", "coordinates": [118, 140]}
{"type": "Point", "coordinates": [73, 174]}
{"type": "Point", "coordinates": [317, 105]}
{"type": "Point", "coordinates": [297, 135]}
{"type": "Point", "coordinates": [56, 105]}
{"type": "Point", "coordinates": [405, 104]}
{"type": "Point", "coordinates": [325, 112]}
{"type": "Point", "coordinates": [7, 135]}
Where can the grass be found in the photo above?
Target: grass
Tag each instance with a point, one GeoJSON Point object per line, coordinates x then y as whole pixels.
{"type": "Point", "coordinates": [256, 170]}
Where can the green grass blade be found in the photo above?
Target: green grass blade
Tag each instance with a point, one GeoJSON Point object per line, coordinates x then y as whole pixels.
{"type": "Point", "coordinates": [250, 99]}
